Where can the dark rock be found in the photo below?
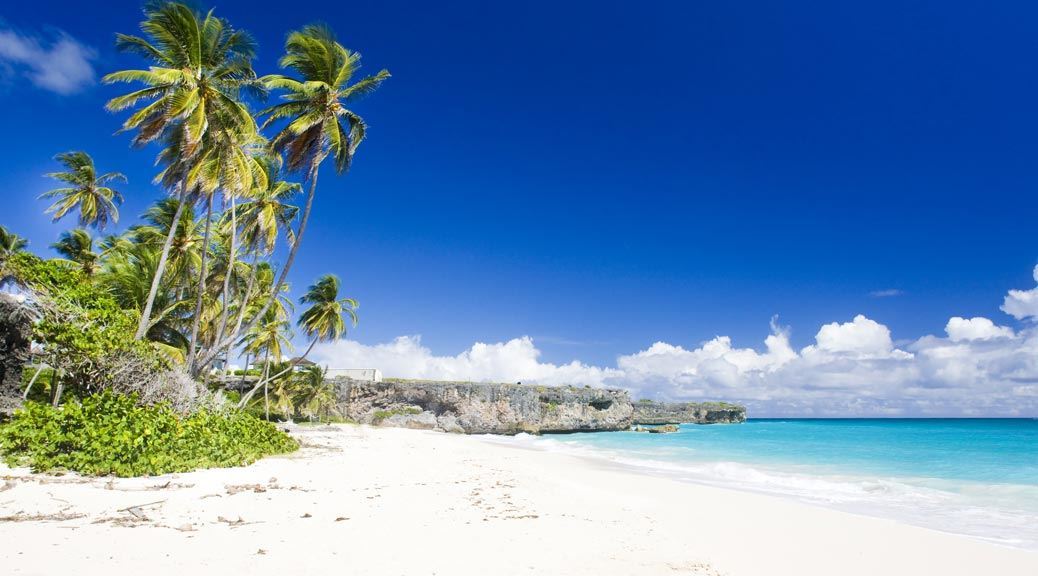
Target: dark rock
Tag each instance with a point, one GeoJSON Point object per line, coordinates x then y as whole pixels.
{"type": "Point", "coordinates": [656, 413]}
{"type": "Point", "coordinates": [16, 318]}
{"type": "Point", "coordinates": [478, 408]}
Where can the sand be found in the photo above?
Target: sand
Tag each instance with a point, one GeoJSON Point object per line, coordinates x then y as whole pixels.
{"type": "Point", "coordinates": [360, 500]}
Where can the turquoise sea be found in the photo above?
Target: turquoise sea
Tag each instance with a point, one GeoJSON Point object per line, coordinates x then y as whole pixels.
{"type": "Point", "coordinates": [977, 477]}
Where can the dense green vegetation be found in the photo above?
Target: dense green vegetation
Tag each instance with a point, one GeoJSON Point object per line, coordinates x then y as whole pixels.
{"type": "Point", "coordinates": [107, 433]}
{"type": "Point", "coordinates": [129, 328]}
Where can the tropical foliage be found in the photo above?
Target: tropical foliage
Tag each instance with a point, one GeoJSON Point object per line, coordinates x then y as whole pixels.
{"type": "Point", "coordinates": [194, 284]}
{"type": "Point", "coordinates": [108, 433]}
{"type": "Point", "coordinates": [86, 191]}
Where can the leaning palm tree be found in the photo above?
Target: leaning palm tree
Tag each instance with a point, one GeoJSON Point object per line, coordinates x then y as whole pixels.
{"type": "Point", "coordinates": [323, 321]}
{"type": "Point", "coordinates": [77, 247]}
{"type": "Point", "coordinates": [86, 191]}
{"type": "Point", "coordinates": [319, 122]}
{"type": "Point", "coordinates": [10, 243]}
{"type": "Point", "coordinates": [199, 66]}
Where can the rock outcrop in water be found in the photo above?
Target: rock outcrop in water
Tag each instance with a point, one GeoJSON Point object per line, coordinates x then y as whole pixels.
{"type": "Point", "coordinates": [477, 408]}
{"type": "Point", "coordinates": [650, 412]}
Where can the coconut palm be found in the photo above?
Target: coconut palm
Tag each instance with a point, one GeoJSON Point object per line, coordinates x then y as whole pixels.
{"type": "Point", "coordinates": [270, 337]}
{"type": "Point", "coordinates": [324, 319]}
{"type": "Point", "coordinates": [86, 192]}
{"type": "Point", "coordinates": [10, 243]}
{"type": "Point", "coordinates": [266, 212]}
{"type": "Point", "coordinates": [199, 66]}
{"type": "Point", "coordinates": [184, 254]}
{"type": "Point", "coordinates": [313, 392]}
{"type": "Point", "coordinates": [77, 247]}
{"type": "Point", "coordinates": [319, 122]}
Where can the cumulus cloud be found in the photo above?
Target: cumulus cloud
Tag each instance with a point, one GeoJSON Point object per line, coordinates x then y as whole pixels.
{"type": "Point", "coordinates": [978, 328]}
{"type": "Point", "coordinates": [852, 368]}
{"type": "Point", "coordinates": [62, 66]}
{"type": "Point", "coordinates": [512, 361]}
{"type": "Point", "coordinates": [1022, 304]}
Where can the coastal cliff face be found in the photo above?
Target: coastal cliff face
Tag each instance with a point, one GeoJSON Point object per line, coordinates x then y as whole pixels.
{"type": "Point", "coordinates": [651, 413]}
{"type": "Point", "coordinates": [477, 408]}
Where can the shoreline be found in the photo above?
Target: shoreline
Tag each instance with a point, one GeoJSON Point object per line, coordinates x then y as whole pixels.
{"type": "Point", "coordinates": [682, 472]}
{"type": "Point", "coordinates": [394, 501]}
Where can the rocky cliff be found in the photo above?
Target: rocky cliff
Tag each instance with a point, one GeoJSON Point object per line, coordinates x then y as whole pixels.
{"type": "Point", "coordinates": [477, 408]}
{"type": "Point", "coordinates": [652, 412]}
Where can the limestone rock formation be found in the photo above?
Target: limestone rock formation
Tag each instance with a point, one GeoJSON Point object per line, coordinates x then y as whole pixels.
{"type": "Point", "coordinates": [651, 412]}
{"type": "Point", "coordinates": [478, 408]}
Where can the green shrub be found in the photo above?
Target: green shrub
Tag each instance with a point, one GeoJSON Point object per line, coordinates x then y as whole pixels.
{"type": "Point", "coordinates": [107, 433]}
{"type": "Point", "coordinates": [381, 415]}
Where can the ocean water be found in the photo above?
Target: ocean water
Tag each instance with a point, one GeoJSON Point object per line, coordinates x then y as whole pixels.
{"type": "Point", "coordinates": [976, 477]}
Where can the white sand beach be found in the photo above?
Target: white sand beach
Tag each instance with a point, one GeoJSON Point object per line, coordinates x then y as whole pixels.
{"type": "Point", "coordinates": [361, 500]}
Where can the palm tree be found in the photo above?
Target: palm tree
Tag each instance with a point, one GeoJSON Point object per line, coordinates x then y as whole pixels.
{"type": "Point", "coordinates": [77, 246]}
{"type": "Point", "coordinates": [322, 321]}
{"type": "Point", "coordinates": [184, 253]}
{"type": "Point", "coordinates": [263, 215]}
{"type": "Point", "coordinates": [269, 337]}
{"type": "Point", "coordinates": [320, 124]}
{"type": "Point", "coordinates": [266, 212]}
{"type": "Point", "coordinates": [199, 66]}
{"type": "Point", "coordinates": [86, 191]}
{"type": "Point", "coordinates": [10, 243]}
{"type": "Point", "coordinates": [314, 393]}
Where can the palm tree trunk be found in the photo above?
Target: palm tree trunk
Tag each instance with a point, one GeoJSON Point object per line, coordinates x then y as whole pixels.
{"type": "Point", "coordinates": [225, 313]}
{"type": "Point", "coordinates": [264, 380]}
{"type": "Point", "coordinates": [266, 370]}
{"type": "Point", "coordinates": [142, 327]}
{"type": "Point", "coordinates": [196, 321]}
{"type": "Point", "coordinates": [242, 307]}
{"type": "Point", "coordinates": [292, 252]}
{"type": "Point", "coordinates": [245, 372]}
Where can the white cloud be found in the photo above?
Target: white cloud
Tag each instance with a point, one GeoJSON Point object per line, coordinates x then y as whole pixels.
{"type": "Point", "coordinates": [852, 368]}
{"type": "Point", "coordinates": [888, 293]}
{"type": "Point", "coordinates": [1022, 304]}
{"type": "Point", "coordinates": [978, 328]}
{"type": "Point", "coordinates": [860, 336]}
{"type": "Point", "coordinates": [63, 67]}
{"type": "Point", "coordinates": [512, 361]}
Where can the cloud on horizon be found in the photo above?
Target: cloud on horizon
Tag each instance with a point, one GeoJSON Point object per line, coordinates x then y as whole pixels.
{"type": "Point", "coordinates": [62, 66]}
{"type": "Point", "coordinates": [854, 368]}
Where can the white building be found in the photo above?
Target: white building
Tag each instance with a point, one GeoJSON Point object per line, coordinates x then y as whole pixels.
{"type": "Point", "coordinates": [363, 374]}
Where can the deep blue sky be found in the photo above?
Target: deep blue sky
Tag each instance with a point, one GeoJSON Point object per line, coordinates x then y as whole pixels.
{"type": "Point", "coordinates": [602, 175]}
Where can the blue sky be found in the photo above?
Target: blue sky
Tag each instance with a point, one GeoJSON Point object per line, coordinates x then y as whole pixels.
{"type": "Point", "coordinates": [601, 176]}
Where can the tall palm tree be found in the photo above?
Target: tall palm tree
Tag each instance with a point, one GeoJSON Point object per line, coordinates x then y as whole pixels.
{"type": "Point", "coordinates": [184, 254]}
{"type": "Point", "coordinates": [199, 66]}
{"type": "Point", "coordinates": [319, 122]}
{"type": "Point", "coordinates": [266, 211]}
{"type": "Point", "coordinates": [77, 247]}
{"type": "Point", "coordinates": [10, 242]}
{"type": "Point", "coordinates": [322, 321]}
{"type": "Point", "coordinates": [261, 217]}
{"type": "Point", "coordinates": [86, 191]}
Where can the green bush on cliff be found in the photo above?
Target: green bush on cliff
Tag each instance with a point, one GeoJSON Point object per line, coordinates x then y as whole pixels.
{"type": "Point", "coordinates": [107, 433]}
